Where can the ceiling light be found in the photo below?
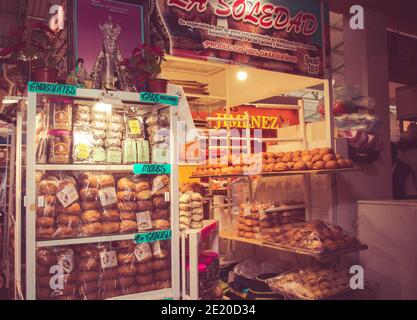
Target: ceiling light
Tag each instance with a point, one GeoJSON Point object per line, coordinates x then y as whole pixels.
{"type": "Point", "coordinates": [242, 75]}
{"type": "Point", "coordinates": [102, 107]}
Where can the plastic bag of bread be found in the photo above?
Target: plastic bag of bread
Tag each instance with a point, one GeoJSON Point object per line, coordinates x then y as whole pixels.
{"type": "Point", "coordinates": [109, 275]}
{"type": "Point", "coordinates": [162, 264]}
{"type": "Point", "coordinates": [83, 144]}
{"type": "Point", "coordinates": [68, 207]}
{"type": "Point", "coordinates": [56, 274]}
{"type": "Point", "coordinates": [45, 207]}
{"type": "Point", "coordinates": [135, 128]}
{"type": "Point", "coordinates": [88, 263]}
{"type": "Point", "coordinates": [144, 267]}
{"type": "Point", "coordinates": [127, 267]}
{"type": "Point", "coordinates": [144, 204]}
{"type": "Point", "coordinates": [313, 236]}
{"type": "Point", "coordinates": [127, 204]}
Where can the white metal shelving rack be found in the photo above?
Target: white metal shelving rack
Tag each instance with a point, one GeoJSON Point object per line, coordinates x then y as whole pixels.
{"type": "Point", "coordinates": [129, 98]}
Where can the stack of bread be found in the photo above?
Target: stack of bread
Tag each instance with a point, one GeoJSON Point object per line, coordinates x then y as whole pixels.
{"type": "Point", "coordinates": [197, 212]}
{"type": "Point", "coordinates": [88, 258]}
{"type": "Point", "coordinates": [144, 268]}
{"type": "Point", "coordinates": [185, 211]}
{"type": "Point", "coordinates": [45, 208]}
{"type": "Point", "coordinates": [161, 264]}
{"type": "Point", "coordinates": [160, 200]}
{"type": "Point", "coordinates": [53, 261]}
{"type": "Point", "coordinates": [248, 222]}
{"type": "Point", "coordinates": [316, 159]}
{"type": "Point", "coordinates": [90, 216]}
{"type": "Point", "coordinates": [126, 197]}
{"type": "Point", "coordinates": [109, 275]}
{"type": "Point", "coordinates": [68, 207]}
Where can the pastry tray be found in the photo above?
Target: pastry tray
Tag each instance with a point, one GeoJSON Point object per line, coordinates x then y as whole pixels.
{"type": "Point", "coordinates": [315, 254]}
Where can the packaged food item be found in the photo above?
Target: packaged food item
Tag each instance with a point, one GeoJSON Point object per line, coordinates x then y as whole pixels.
{"type": "Point", "coordinates": [114, 155]}
{"type": "Point", "coordinates": [127, 204]}
{"type": "Point", "coordinates": [127, 267]}
{"type": "Point", "coordinates": [144, 268]}
{"type": "Point", "coordinates": [99, 154]}
{"type": "Point", "coordinates": [143, 151]}
{"type": "Point", "coordinates": [45, 206]}
{"type": "Point", "coordinates": [89, 275]}
{"type": "Point", "coordinates": [135, 128]}
{"type": "Point", "coordinates": [68, 207]}
{"type": "Point", "coordinates": [59, 146]}
{"type": "Point", "coordinates": [161, 264]}
{"type": "Point", "coordinates": [60, 114]}
{"type": "Point", "coordinates": [160, 154]}
{"type": "Point", "coordinates": [82, 144]}
{"type": "Point", "coordinates": [130, 152]}
{"type": "Point", "coordinates": [109, 265]}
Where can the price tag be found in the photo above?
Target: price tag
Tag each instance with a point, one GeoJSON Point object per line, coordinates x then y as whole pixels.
{"type": "Point", "coordinates": [247, 211]}
{"type": "Point", "coordinates": [150, 97]}
{"type": "Point", "coordinates": [66, 261]}
{"type": "Point", "coordinates": [140, 168]}
{"type": "Point", "coordinates": [167, 197]}
{"type": "Point", "coordinates": [144, 220]}
{"type": "Point", "coordinates": [134, 126]}
{"type": "Point", "coordinates": [108, 259]}
{"type": "Point", "coordinates": [156, 248]}
{"type": "Point", "coordinates": [143, 251]}
{"type": "Point", "coordinates": [68, 195]}
{"type": "Point", "coordinates": [52, 88]}
{"type": "Point", "coordinates": [41, 201]}
{"type": "Point", "coordinates": [153, 236]}
{"type": "Point", "coordinates": [107, 196]}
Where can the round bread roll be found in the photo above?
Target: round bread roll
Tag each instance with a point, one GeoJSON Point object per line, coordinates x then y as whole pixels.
{"type": "Point", "coordinates": [269, 167]}
{"type": "Point", "coordinates": [197, 217]}
{"type": "Point", "coordinates": [281, 166]}
{"type": "Point", "coordinates": [45, 221]}
{"type": "Point", "coordinates": [126, 244]}
{"type": "Point", "coordinates": [185, 198]}
{"type": "Point", "coordinates": [162, 214]}
{"type": "Point", "coordinates": [68, 219]}
{"type": "Point", "coordinates": [331, 164]}
{"type": "Point", "coordinates": [159, 202]}
{"type": "Point", "coordinates": [249, 235]}
{"type": "Point", "coordinates": [92, 229]}
{"type": "Point", "coordinates": [48, 187]}
{"type": "Point", "coordinates": [290, 165]}
{"type": "Point", "coordinates": [45, 257]}
{"type": "Point", "coordinates": [144, 279]}
{"type": "Point", "coordinates": [163, 178]}
{"type": "Point", "coordinates": [142, 186]}
{"type": "Point", "coordinates": [197, 211]}
{"type": "Point", "coordinates": [110, 273]}
{"type": "Point", "coordinates": [165, 189]}
{"type": "Point", "coordinates": [144, 195]}
{"type": "Point", "coordinates": [185, 207]}
{"type": "Point", "coordinates": [89, 194]}
{"type": "Point", "coordinates": [128, 215]}
{"type": "Point", "coordinates": [163, 275]}
{"type": "Point", "coordinates": [296, 159]}
{"type": "Point", "coordinates": [307, 158]}
{"type": "Point", "coordinates": [49, 200]}
{"type": "Point", "coordinates": [161, 224]}
{"type": "Point", "coordinates": [127, 206]}
{"type": "Point", "coordinates": [144, 267]}
{"type": "Point", "coordinates": [329, 157]}
{"type": "Point", "coordinates": [87, 180]}
{"type": "Point", "coordinates": [248, 222]}
{"type": "Point", "coordinates": [185, 220]}
{"type": "Point", "coordinates": [348, 163]}
{"type": "Point", "coordinates": [301, 165]}
{"type": "Point", "coordinates": [47, 211]}
{"type": "Point", "coordinates": [341, 163]}
{"type": "Point", "coordinates": [127, 270]}
{"type": "Point", "coordinates": [317, 157]}
{"type": "Point", "coordinates": [309, 165]}
{"type": "Point", "coordinates": [110, 215]}
{"type": "Point", "coordinates": [196, 224]}
{"type": "Point", "coordinates": [241, 233]}
{"type": "Point", "coordinates": [88, 276]}
{"type": "Point", "coordinates": [65, 231]}
{"type": "Point", "coordinates": [144, 205]}
{"type": "Point", "coordinates": [195, 204]}
{"type": "Point", "coordinates": [89, 205]}
{"type": "Point", "coordinates": [105, 180]}
{"type": "Point", "coordinates": [128, 226]}
{"type": "Point", "coordinates": [269, 160]}
{"type": "Point", "coordinates": [127, 281]}
{"type": "Point", "coordinates": [125, 184]}
{"type": "Point", "coordinates": [46, 233]}
{"type": "Point", "coordinates": [196, 197]}
{"type": "Point", "coordinates": [88, 264]}
{"type": "Point", "coordinates": [73, 209]}
{"type": "Point", "coordinates": [88, 251]}
{"type": "Point", "coordinates": [87, 288]}
{"type": "Point", "coordinates": [319, 165]}
{"type": "Point", "coordinates": [91, 216]}
{"type": "Point", "coordinates": [125, 196]}
{"type": "Point", "coordinates": [126, 257]}
{"type": "Point", "coordinates": [111, 227]}
{"type": "Point", "coordinates": [325, 151]}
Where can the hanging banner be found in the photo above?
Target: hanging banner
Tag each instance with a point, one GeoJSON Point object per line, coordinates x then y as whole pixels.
{"type": "Point", "coordinates": [280, 35]}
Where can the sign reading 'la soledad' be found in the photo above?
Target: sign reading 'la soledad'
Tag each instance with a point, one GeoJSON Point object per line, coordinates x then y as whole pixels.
{"type": "Point", "coordinates": [283, 35]}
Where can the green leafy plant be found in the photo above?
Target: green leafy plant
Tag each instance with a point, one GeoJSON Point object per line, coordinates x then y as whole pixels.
{"type": "Point", "coordinates": [145, 63]}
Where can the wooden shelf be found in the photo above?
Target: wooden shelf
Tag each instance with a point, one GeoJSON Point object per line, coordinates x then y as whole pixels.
{"type": "Point", "coordinates": [281, 173]}
{"type": "Point", "coordinates": [232, 235]}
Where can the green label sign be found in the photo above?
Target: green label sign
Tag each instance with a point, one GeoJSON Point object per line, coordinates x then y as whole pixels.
{"type": "Point", "coordinates": [140, 168]}
{"type": "Point", "coordinates": [150, 97]}
{"type": "Point", "coordinates": [52, 88]}
{"type": "Point", "coordinates": [153, 236]}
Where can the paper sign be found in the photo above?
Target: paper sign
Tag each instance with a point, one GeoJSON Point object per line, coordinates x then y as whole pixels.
{"type": "Point", "coordinates": [140, 168]}
{"type": "Point", "coordinates": [150, 97]}
{"type": "Point", "coordinates": [107, 196]}
{"type": "Point", "coordinates": [108, 259]}
{"type": "Point", "coordinates": [143, 251]}
{"type": "Point", "coordinates": [153, 236]}
{"type": "Point", "coordinates": [144, 220]}
{"type": "Point", "coordinates": [134, 126]}
{"type": "Point", "coordinates": [68, 195]}
{"type": "Point", "coordinates": [52, 88]}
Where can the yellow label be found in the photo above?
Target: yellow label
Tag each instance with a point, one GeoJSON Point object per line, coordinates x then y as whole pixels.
{"type": "Point", "coordinates": [134, 126]}
{"type": "Point", "coordinates": [83, 151]}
